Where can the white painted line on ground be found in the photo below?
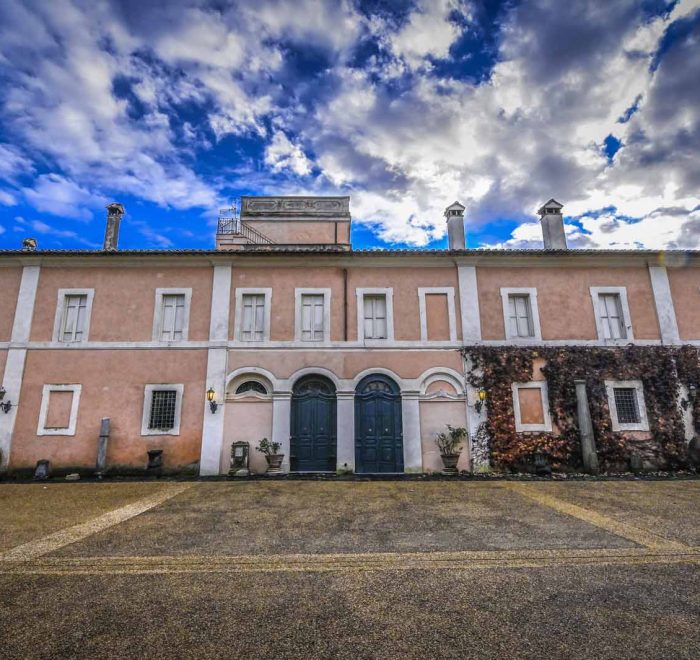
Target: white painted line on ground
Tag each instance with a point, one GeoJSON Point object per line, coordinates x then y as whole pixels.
{"type": "Point", "coordinates": [64, 537]}
{"type": "Point", "coordinates": [625, 530]}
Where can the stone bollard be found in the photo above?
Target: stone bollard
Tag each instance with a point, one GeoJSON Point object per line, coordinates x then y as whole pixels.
{"type": "Point", "coordinates": [41, 472]}
{"type": "Point", "coordinates": [101, 463]}
{"type": "Point", "coordinates": [155, 462]}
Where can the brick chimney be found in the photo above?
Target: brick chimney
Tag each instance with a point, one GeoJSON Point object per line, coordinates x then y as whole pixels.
{"type": "Point", "coordinates": [552, 225]}
{"type": "Point", "coordinates": [454, 214]}
{"type": "Point", "coordinates": [114, 216]}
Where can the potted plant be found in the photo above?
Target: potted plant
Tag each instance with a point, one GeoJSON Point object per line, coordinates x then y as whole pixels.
{"type": "Point", "coordinates": [450, 445]}
{"type": "Point", "coordinates": [274, 459]}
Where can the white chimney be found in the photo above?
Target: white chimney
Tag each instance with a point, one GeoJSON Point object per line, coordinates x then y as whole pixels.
{"type": "Point", "coordinates": [114, 216]}
{"type": "Point", "coordinates": [454, 215]}
{"type": "Point", "coordinates": [552, 225]}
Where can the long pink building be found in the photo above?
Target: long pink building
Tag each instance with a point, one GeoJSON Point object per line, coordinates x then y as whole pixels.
{"type": "Point", "coordinates": [353, 360]}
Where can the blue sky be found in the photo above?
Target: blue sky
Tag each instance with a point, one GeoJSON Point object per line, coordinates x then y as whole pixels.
{"type": "Point", "coordinates": [174, 108]}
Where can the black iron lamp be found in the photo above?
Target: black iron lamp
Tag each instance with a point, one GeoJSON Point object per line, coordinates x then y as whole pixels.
{"type": "Point", "coordinates": [211, 397]}
{"type": "Point", "coordinates": [5, 406]}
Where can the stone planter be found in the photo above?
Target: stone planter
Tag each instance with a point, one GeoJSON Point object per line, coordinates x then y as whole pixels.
{"type": "Point", "coordinates": [274, 463]}
{"type": "Point", "coordinates": [450, 463]}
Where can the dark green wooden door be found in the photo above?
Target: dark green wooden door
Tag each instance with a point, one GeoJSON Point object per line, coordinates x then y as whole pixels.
{"type": "Point", "coordinates": [313, 424]}
{"type": "Point", "coordinates": [378, 426]}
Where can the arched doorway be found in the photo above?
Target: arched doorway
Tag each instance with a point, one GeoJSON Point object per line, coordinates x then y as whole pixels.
{"type": "Point", "coordinates": [378, 426]}
{"type": "Point", "coordinates": [313, 424]}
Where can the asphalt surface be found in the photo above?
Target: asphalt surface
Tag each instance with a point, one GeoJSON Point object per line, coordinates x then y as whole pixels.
{"type": "Point", "coordinates": [353, 570]}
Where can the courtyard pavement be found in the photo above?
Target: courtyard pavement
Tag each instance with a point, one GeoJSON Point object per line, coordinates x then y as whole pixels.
{"type": "Point", "coordinates": [350, 569]}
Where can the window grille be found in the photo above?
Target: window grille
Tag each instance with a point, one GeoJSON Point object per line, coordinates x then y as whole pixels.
{"type": "Point", "coordinates": [520, 311]}
{"type": "Point", "coordinates": [627, 405]}
{"type": "Point", "coordinates": [312, 307]}
{"type": "Point", "coordinates": [73, 321]}
{"type": "Point", "coordinates": [253, 325]}
{"type": "Point", "coordinates": [611, 316]}
{"type": "Point", "coordinates": [162, 416]}
{"type": "Point", "coordinates": [173, 317]}
{"type": "Point", "coordinates": [251, 386]}
{"type": "Point", "coordinates": [375, 316]}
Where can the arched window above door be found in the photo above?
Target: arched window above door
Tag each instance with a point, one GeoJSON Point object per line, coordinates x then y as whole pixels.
{"type": "Point", "coordinates": [251, 386]}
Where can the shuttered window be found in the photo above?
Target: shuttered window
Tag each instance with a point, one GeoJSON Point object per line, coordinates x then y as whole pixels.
{"type": "Point", "coordinates": [253, 323]}
{"type": "Point", "coordinates": [611, 317]}
{"type": "Point", "coordinates": [74, 318]}
{"type": "Point", "coordinates": [172, 317]}
{"type": "Point", "coordinates": [375, 316]}
{"type": "Point", "coordinates": [312, 308]}
{"type": "Point", "coordinates": [520, 316]}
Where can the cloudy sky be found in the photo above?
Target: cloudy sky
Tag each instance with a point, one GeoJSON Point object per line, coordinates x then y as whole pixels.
{"type": "Point", "coordinates": [176, 107]}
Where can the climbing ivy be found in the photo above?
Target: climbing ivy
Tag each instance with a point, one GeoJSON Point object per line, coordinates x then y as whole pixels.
{"type": "Point", "coordinates": [661, 370]}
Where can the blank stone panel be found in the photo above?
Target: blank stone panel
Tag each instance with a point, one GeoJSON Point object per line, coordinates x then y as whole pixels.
{"type": "Point", "coordinates": [58, 415]}
{"type": "Point", "coordinates": [531, 411]}
{"type": "Point", "coordinates": [438, 319]}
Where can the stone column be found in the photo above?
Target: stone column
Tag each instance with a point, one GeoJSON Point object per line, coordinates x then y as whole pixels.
{"type": "Point", "coordinates": [346, 432]}
{"type": "Point", "coordinates": [585, 427]}
{"type": "Point", "coordinates": [412, 451]}
{"type": "Point", "coordinates": [281, 416]}
{"type": "Point", "coordinates": [217, 363]}
{"type": "Point", "coordinates": [16, 356]}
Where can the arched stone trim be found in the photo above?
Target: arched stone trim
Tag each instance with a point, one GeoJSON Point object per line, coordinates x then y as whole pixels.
{"type": "Point", "coordinates": [288, 384]}
{"type": "Point", "coordinates": [403, 383]}
{"type": "Point", "coordinates": [238, 376]}
{"type": "Point", "coordinates": [450, 376]}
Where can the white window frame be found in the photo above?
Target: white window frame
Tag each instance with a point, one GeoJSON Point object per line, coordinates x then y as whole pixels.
{"type": "Point", "coordinates": [540, 385]}
{"type": "Point", "coordinates": [610, 386]}
{"type": "Point", "coordinates": [238, 315]}
{"type": "Point", "coordinates": [158, 314]}
{"type": "Point", "coordinates": [506, 292]}
{"type": "Point", "coordinates": [44, 410]}
{"type": "Point", "coordinates": [621, 291]}
{"type": "Point", "coordinates": [388, 293]}
{"type": "Point", "coordinates": [299, 316]}
{"type": "Point", "coordinates": [148, 397]}
{"type": "Point", "coordinates": [451, 314]}
{"type": "Point", "coordinates": [60, 310]}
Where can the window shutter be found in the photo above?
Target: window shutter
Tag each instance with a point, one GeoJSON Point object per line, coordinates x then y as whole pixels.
{"type": "Point", "coordinates": [312, 317]}
{"type": "Point", "coordinates": [520, 316]}
{"type": "Point", "coordinates": [248, 312]}
{"type": "Point", "coordinates": [259, 330]}
{"type": "Point", "coordinates": [74, 316]}
{"type": "Point", "coordinates": [173, 317]}
{"type": "Point", "coordinates": [380, 317]}
{"type": "Point", "coordinates": [611, 317]}
{"type": "Point", "coordinates": [253, 322]}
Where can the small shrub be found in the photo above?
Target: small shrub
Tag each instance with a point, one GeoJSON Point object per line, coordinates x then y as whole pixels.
{"type": "Point", "coordinates": [450, 443]}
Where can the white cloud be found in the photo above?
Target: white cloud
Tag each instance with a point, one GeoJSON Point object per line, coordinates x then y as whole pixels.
{"type": "Point", "coordinates": [281, 154]}
{"type": "Point", "coordinates": [59, 196]}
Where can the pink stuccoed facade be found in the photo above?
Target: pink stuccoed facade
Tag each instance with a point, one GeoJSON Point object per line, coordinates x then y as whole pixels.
{"type": "Point", "coordinates": [349, 359]}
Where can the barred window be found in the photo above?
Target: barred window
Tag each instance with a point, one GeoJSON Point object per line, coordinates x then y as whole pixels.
{"type": "Point", "coordinates": [162, 417]}
{"type": "Point", "coordinates": [627, 405]}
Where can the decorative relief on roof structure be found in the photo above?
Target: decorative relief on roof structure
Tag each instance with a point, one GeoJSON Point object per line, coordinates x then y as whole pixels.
{"type": "Point", "coordinates": [305, 206]}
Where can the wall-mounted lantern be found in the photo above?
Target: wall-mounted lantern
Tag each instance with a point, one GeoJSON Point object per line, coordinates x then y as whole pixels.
{"type": "Point", "coordinates": [481, 399]}
{"type": "Point", "coordinates": [5, 406]}
{"type": "Point", "coordinates": [211, 397]}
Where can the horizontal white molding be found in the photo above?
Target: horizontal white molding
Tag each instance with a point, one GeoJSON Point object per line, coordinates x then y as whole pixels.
{"type": "Point", "coordinates": [311, 346]}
